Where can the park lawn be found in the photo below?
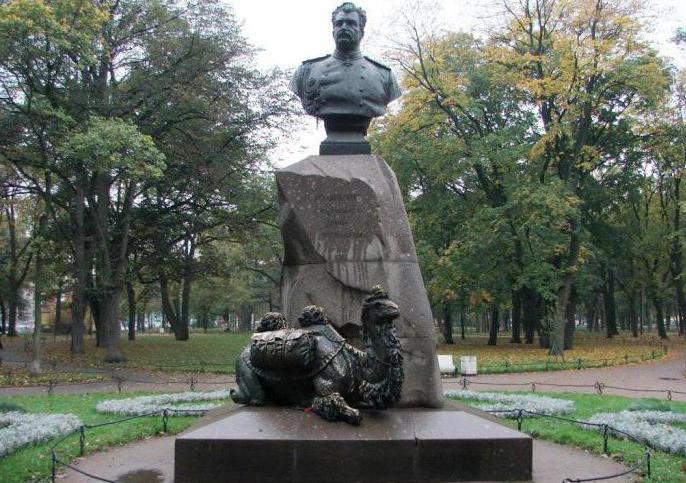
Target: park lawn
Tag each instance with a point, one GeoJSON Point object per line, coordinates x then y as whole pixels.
{"type": "Point", "coordinates": [589, 351]}
{"type": "Point", "coordinates": [33, 463]}
{"type": "Point", "coordinates": [212, 352]}
{"type": "Point", "coordinates": [216, 352]}
{"type": "Point", "coordinates": [665, 467]}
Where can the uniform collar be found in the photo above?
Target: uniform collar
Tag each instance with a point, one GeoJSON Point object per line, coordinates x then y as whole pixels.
{"type": "Point", "coordinates": [347, 57]}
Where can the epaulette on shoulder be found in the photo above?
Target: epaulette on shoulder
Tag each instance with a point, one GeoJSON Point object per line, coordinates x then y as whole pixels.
{"type": "Point", "coordinates": [377, 63]}
{"type": "Point", "coordinates": [316, 59]}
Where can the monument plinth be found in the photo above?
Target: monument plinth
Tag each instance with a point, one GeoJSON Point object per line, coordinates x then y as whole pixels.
{"type": "Point", "coordinates": [345, 230]}
{"type": "Point", "coordinates": [264, 445]}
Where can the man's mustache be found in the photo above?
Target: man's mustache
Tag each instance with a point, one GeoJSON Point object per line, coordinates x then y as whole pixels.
{"type": "Point", "coordinates": [346, 33]}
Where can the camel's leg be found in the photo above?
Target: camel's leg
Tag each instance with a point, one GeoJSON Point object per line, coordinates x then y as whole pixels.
{"type": "Point", "coordinates": [250, 391]}
{"type": "Point", "coordinates": [333, 407]}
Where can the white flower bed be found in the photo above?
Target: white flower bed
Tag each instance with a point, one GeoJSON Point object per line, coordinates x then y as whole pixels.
{"type": "Point", "coordinates": [650, 426]}
{"type": "Point", "coordinates": [150, 404]}
{"type": "Point", "coordinates": [21, 429]}
{"type": "Point", "coordinates": [509, 403]}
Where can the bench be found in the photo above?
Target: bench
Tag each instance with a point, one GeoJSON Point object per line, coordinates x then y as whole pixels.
{"type": "Point", "coordinates": [446, 365]}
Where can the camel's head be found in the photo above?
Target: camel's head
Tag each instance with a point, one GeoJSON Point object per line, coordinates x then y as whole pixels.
{"type": "Point", "coordinates": [378, 308]}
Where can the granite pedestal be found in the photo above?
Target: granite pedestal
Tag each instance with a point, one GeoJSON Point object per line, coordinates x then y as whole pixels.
{"type": "Point", "coordinates": [344, 230]}
{"type": "Point", "coordinates": [398, 445]}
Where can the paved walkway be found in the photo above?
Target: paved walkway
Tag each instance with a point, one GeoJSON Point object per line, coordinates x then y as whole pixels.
{"type": "Point", "coordinates": [653, 378]}
{"type": "Point", "coordinates": [152, 461]}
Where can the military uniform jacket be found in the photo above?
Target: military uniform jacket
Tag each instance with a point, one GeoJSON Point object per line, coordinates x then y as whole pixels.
{"type": "Point", "coordinates": [334, 85]}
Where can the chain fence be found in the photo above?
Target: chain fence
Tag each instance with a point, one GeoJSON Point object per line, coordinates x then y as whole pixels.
{"type": "Point", "coordinates": [51, 379]}
{"type": "Point", "coordinates": [519, 415]}
{"type": "Point", "coordinates": [598, 387]}
{"type": "Point", "coordinates": [605, 429]}
{"type": "Point", "coordinates": [57, 461]}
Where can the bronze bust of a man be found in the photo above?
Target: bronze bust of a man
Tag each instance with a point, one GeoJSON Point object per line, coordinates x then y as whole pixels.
{"type": "Point", "coordinates": [345, 89]}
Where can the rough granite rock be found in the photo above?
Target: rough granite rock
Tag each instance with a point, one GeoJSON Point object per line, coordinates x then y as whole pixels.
{"type": "Point", "coordinates": [345, 230]}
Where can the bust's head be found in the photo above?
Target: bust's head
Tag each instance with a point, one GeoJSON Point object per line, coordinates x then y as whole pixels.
{"type": "Point", "coordinates": [348, 23]}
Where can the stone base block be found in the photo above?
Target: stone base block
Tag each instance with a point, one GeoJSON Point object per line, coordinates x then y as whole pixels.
{"type": "Point", "coordinates": [399, 445]}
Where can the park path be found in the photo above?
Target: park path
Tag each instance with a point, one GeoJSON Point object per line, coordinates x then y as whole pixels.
{"type": "Point", "coordinates": [654, 378]}
{"type": "Point", "coordinates": [152, 461]}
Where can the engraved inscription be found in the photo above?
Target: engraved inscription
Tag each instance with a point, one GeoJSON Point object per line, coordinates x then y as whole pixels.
{"type": "Point", "coordinates": [340, 213]}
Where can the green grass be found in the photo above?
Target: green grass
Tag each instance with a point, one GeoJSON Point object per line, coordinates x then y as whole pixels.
{"type": "Point", "coordinates": [216, 352]}
{"type": "Point", "coordinates": [665, 467]}
{"type": "Point", "coordinates": [589, 351]}
{"type": "Point", "coordinates": [212, 352]}
{"type": "Point", "coordinates": [33, 463]}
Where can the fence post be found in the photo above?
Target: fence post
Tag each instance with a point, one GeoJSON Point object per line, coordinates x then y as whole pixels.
{"type": "Point", "coordinates": [605, 438]}
{"type": "Point", "coordinates": [533, 387]}
{"type": "Point", "coordinates": [119, 381]}
{"type": "Point", "coordinates": [82, 440]}
{"type": "Point", "coordinates": [648, 456]}
{"type": "Point", "coordinates": [578, 363]}
{"type": "Point", "coordinates": [51, 387]}
{"type": "Point", "coordinates": [165, 417]}
{"type": "Point", "coordinates": [464, 383]}
{"type": "Point", "coordinates": [53, 470]}
{"type": "Point", "coordinates": [520, 419]}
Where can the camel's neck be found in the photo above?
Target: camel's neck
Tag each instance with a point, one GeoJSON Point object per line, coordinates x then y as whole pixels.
{"type": "Point", "coordinates": [383, 349]}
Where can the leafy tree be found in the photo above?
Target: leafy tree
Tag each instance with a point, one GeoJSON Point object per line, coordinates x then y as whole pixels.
{"type": "Point", "coordinates": [588, 74]}
{"type": "Point", "coordinates": [96, 95]}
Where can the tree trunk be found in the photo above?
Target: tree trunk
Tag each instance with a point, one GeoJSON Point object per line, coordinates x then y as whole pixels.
{"type": "Point", "coordinates": [245, 318]}
{"type": "Point", "coordinates": [570, 324]}
{"type": "Point", "coordinates": [58, 329]}
{"type": "Point", "coordinates": [34, 366]}
{"type": "Point", "coordinates": [516, 317]}
{"type": "Point", "coordinates": [610, 305]}
{"type": "Point", "coordinates": [677, 258]}
{"type": "Point", "coordinates": [131, 301]}
{"type": "Point", "coordinates": [531, 313]}
{"type": "Point", "coordinates": [448, 324]}
{"type": "Point", "coordinates": [495, 324]}
{"type": "Point", "coordinates": [642, 309]}
{"type": "Point", "coordinates": [95, 304]}
{"type": "Point", "coordinates": [3, 316]}
{"type": "Point", "coordinates": [189, 257]}
{"type": "Point", "coordinates": [559, 321]}
{"type": "Point", "coordinates": [168, 312]}
{"type": "Point", "coordinates": [109, 314]}
{"type": "Point", "coordinates": [140, 319]}
{"type": "Point", "coordinates": [661, 331]}
{"type": "Point", "coordinates": [13, 306]}
{"type": "Point", "coordinates": [79, 299]}
{"type": "Point", "coordinates": [462, 323]}
{"type": "Point", "coordinates": [17, 273]}
{"type": "Point", "coordinates": [633, 319]}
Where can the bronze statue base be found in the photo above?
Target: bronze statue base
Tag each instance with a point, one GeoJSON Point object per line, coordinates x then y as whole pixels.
{"type": "Point", "coordinates": [345, 134]}
{"type": "Point", "coordinates": [272, 444]}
